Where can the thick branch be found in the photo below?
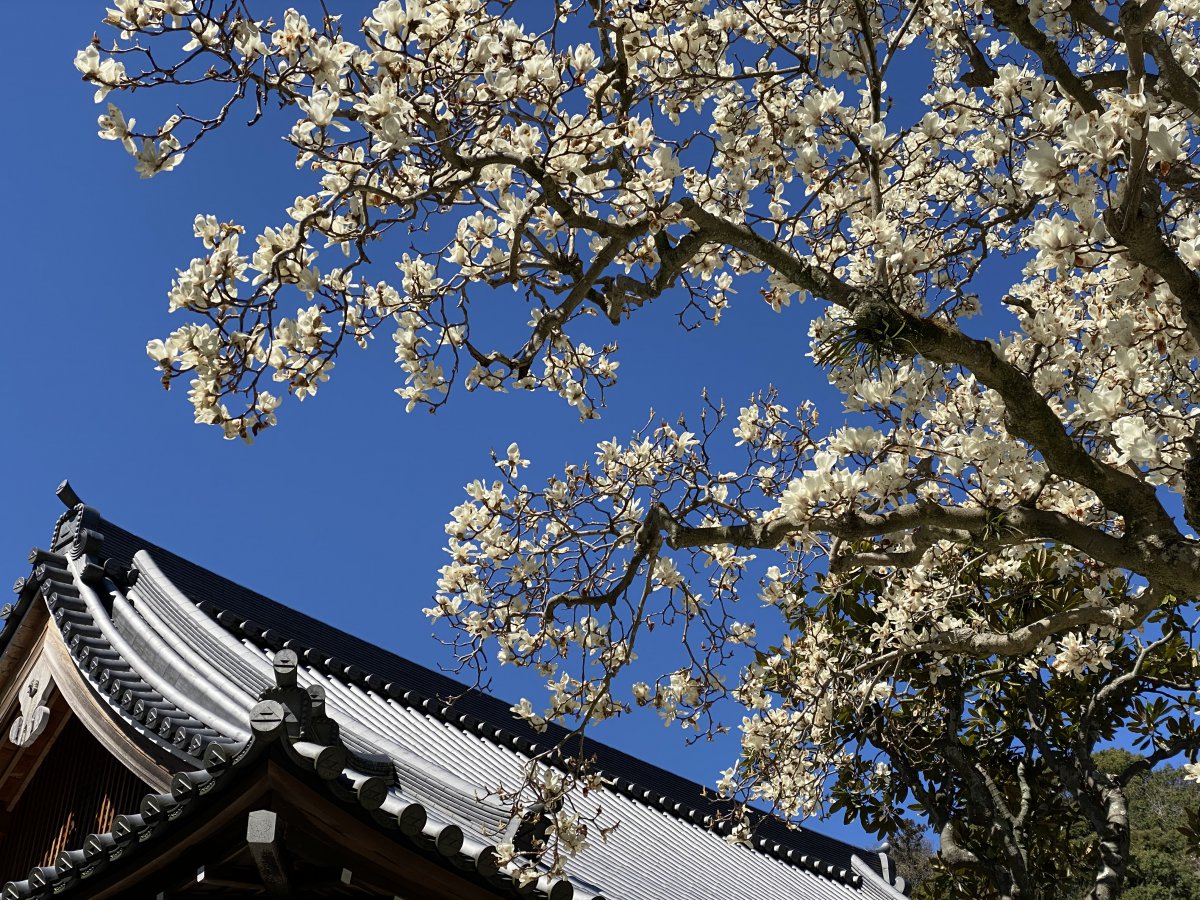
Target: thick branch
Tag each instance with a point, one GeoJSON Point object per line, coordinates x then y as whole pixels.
{"type": "Point", "coordinates": [1177, 84]}
{"type": "Point", "coordinates": [1028, 415]}
{"type": "Point", "coordinates": [991, 806]}
{"type": "Point", "coordinates": [1147, 247]}
{"type": "Point", "coordinates": [967, 641]}
{"type": "Point", "coordinates": [1001, 527]}
{"type": "Point", "coordinates": [1015, 17]}
{"type": "Point", "coordinates": [931, 521]}
{"type": "Point", "coordinates": [1083, 11]}
{"type": "Point", "coordinates": [952, 852]}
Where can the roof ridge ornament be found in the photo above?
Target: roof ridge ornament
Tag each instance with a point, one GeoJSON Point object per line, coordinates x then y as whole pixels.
{"type": "Point", "coordinates": [67, 495]}
{"type": "Point", "coordinates": [298, 715]}
{"type": "Point", "coordinates": [303, 709]}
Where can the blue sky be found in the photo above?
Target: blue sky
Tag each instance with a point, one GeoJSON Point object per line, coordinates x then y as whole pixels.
{"type": "Point", "coordinates": [339, 511]}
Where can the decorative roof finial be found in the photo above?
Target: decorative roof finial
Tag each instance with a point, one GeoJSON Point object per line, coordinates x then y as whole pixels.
{"type": "Point", "coordinates": [67, 495]}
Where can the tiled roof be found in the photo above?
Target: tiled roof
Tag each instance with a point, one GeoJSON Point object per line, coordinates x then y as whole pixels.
{"type": "Point", "coordinates": [184, 656]}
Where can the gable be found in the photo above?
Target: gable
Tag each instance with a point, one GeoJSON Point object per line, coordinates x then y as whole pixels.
{"type": "Point", "coordinates": [57, 791]}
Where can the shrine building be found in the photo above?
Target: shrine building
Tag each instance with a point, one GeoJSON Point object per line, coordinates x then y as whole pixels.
{"type": "Point", "coordinates": [170, 734]}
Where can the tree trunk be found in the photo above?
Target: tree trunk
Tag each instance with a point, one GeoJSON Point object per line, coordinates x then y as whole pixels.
{"type": "Point", "coordinates": [1114, 843]}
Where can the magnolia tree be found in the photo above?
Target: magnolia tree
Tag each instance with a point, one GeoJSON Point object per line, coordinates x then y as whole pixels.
{"type": "Point", "coordinates": [982, 563]}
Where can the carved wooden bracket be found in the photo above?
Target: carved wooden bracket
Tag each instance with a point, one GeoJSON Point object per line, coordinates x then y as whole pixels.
{"type": "Point", "coordinates": [35, 710]}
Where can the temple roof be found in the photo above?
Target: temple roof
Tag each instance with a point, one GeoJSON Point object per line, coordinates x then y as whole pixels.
{"type": "Point", "coordinates": [208, 676]}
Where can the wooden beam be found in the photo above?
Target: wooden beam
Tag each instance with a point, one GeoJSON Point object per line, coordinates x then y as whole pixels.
{"type": "Point", "coordinates": [15, 761]}
{"type": "Point", "coordinates": [383, 859]}
{"type": "Point", "coordinates": [232, 884]}
{"type": "Point", "coordinates": [20, 654]}
{"type": "Point", "coordinates": [11, 691]}
{"type": "Point", "coordinates": [262, 837]}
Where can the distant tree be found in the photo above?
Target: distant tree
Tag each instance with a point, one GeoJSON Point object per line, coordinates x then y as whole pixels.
{"type": "Point", "coordinates": [1164, 860]}
{"type": "Point", "coordinates": [912, 854]}
{"type": "Point", "coordinates": [983, 561]}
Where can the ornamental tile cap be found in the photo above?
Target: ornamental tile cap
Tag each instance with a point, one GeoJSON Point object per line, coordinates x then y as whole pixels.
{"type": "Point", "coordinates": [67, 495]}
{"type": "Point", "coordinates": [301, 710]}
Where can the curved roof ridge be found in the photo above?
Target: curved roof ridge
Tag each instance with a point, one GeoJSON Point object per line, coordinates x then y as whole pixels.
{"type": "Point", "coordinates": [237, 656]}
{"type": "Point", "coordinates": [252, 615]}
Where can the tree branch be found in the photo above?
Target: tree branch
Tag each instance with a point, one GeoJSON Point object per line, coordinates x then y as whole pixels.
{"type": "Point", "coordinates": [1177, 83]}
{"type": "Point", "coordinates": [1015, 17]}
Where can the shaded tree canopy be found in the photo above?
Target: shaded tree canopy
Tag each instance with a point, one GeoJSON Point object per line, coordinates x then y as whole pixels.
{"type": "Point", "coordinates": [1164, 859]}
{"type": "Point", "coordinates": [1164, 850]}
{"type": "Point", "coordinates": [947, 593]}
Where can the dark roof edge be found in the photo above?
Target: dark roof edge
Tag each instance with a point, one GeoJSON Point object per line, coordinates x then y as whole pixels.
{"type": "Point", "coordinates": [767, 844]}
{"type": "Point", "coordinates": [114, 679]}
